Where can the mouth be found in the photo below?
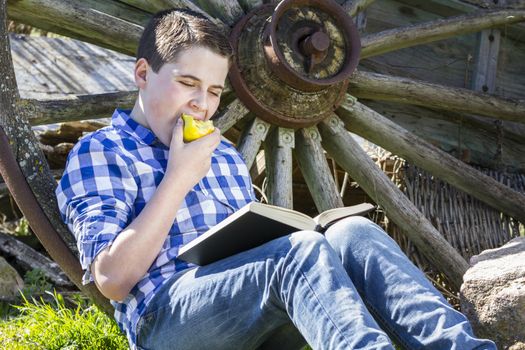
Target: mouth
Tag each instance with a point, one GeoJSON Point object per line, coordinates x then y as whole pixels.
{"type": "Point", "coordinates": [194, 116]}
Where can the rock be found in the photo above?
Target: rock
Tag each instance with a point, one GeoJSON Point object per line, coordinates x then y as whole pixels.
{"type": "Point", "coordinates": [518, 346]}
{"type": "Point", "coordinates": [493, 294]}
{"type": "Point", "coordinates": [10, 281]}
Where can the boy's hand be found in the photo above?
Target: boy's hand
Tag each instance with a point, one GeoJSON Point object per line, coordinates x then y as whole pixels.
{"type": "Point", "coordinates": [189, 162]}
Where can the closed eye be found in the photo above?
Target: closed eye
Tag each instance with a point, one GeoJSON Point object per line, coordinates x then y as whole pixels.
{"type": "Point", "coordinates": [187, 83]}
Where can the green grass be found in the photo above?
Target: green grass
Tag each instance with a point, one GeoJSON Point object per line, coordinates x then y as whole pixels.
{"type": "Point", "coordinates": [53, 325]}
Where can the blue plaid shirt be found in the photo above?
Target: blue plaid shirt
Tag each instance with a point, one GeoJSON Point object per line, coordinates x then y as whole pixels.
{"type": "Point", "coordinates": [112, 173]}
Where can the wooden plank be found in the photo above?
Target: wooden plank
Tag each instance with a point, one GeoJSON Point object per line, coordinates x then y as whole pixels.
{"type": "Point", "coordinates": [349, 155]}
{"type": "Point", "coordinates": [395, 39]}
{"type": "Point", "coordinates": [382, 87]}
{"type": "Point", "coordinates": [55, 68]}
{"type": "Point", "coordinates": [316, 171]}
{"type": "Point", "coordinates": [369, 124]}
{"type": "Point", "coordinates": [278, 158]}
{"type": "Point", "coordinates": [484, 79]}
{"type": "Point", "coordinates": [251, 138]}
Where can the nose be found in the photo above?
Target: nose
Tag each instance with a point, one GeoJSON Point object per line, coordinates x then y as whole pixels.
{"type": "Point", "coordinates": [199, 101]}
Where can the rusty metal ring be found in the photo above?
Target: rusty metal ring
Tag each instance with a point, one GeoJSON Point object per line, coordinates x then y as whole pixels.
{"type": "Point", "coordinates": [290, 75]}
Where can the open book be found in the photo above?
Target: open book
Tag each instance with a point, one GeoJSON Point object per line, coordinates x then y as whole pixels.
{"type": "Point", "coordinates": [255, 224]}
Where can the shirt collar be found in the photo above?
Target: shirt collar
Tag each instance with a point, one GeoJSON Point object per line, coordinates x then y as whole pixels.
{"type": "Point", "coordinates": [121, 120]}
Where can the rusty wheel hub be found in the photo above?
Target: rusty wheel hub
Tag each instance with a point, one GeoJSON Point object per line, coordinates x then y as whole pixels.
{"type": "Point", "coordinates": [292, 61]}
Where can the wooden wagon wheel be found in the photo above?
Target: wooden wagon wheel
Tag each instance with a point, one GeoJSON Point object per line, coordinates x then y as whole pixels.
{"type": "Point", "coordinates": [288, 73]}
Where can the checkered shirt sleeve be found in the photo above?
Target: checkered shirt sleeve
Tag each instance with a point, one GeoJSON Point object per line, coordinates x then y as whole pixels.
{"type": "Point", "coordinates": [93, 197]}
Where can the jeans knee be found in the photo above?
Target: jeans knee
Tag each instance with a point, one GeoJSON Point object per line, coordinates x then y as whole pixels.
{"type": "Point", "coordinates": [307, 238]}
{"type": "Point", "coordinates": [360, 233]}
{"type": "Point", "coordinates": [307, 244]}
{"type": "Point", "coordinates": [352, 229]}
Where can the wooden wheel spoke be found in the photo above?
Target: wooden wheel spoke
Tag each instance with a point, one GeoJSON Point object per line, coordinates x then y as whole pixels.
{"type": "Point", "coordinates": [251, 138]}
{"type": "Point", "coordinates": [397, 89]}
{"type": "Point", "coordinates": [227, 118]}
{"type": "Point", "coordinates": [380, 130]}
{"type": "Point", "coordinates": [112, 24]}
{"type": "Point", "coordinates": [352, 7]}
{"type": "Point", "coordinates": [395, 39]}
{"type": "Point", "coordinates": [316, 171]}
{"type": "Point", "coordinates": [278, 158]}
{"type": "Point", "coordinates": [349, 155]}
{"type": "Point", "coordinates": [104, 27]}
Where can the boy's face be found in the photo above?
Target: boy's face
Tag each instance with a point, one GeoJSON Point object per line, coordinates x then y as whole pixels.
{"type": "Point", "coordinates": [191, 85]}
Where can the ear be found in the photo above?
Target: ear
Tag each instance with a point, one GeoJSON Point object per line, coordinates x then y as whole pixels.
{"type": "Point", "coordinates": [141, 72]}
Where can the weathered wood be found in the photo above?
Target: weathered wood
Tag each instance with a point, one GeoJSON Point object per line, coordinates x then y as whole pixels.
{"type": "Point", "coordinates": [87, 20]}
{"type": "Point", "coordinates": [73, 109]}
{"type": "Point", "coordinates": [68, 132]}
{"type": "Point", "coordinates": [230, 115]}
{"type": "Point", "coordinates": [487, 61]}
{"type": "Point", "coordinates": [278, 156]}
{"type": "Point", "coordinates": [153, 6]}
{"type": "Point", "coordinates": [3, 188]}
{"type": "Point", "coordinates": [395, 39]}
{"type": "Point", "coordinates": [352, 7]}
{"type": "Point", "coordinates": [29, 259]}
{"type": "Point", "coordinates": [248, 5]}
{"type": "Point", "coordinates": [490, 3]}
{"type": "Point", "coordinates": [229, 11]}
{"type": "Point", "coordinates": [474, 140]}
{"type": "Point", "coordinates": [54, 68]}
{"type": "Point", "coordinates": [484, 79]}
{"type": "Point", "coordinates": [369, 124]}
{"type": "Point", "coordinates": [258, 168]}
{"type": "Point", "coordinates": [447, 62]}
{"type": "Point", "coordinates": [23, 142]}
{"type": "Point", "coordinates": [32, 163]}
{"type": "Point", "coordinates": [251, 138]}
{"type": "Point", "coordinates": [315, 169]}
{"type": "Point", "coordinates": [349, 155]}
{"type": "Point", "coordinates": [388, 88]}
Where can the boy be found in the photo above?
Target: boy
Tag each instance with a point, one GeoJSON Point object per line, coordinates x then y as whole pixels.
{"type": "Point", "coordinates": [134, 192]}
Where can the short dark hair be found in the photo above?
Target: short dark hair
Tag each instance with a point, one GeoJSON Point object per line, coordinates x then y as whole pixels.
{"type": "Point", "coordinates": [171, 31]}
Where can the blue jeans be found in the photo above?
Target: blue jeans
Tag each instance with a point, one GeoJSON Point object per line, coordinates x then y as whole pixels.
{"type": "Point", "coordinates": [345, 290]}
